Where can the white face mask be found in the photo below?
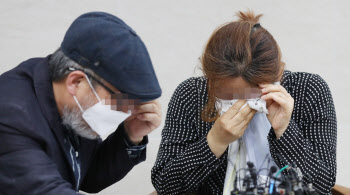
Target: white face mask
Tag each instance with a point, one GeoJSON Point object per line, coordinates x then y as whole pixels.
{"type": "Point", "coordinates": [101, 118]}
{"type": "Point", "coordinates": [256, 104]}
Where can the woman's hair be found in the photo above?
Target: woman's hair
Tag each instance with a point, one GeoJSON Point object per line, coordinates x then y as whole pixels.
{"type": "Point", "coordinates": [239, 49]}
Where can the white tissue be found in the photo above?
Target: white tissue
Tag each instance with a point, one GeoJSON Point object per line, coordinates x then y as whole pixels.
{"type": "Point", "coordinates": [257, 104]}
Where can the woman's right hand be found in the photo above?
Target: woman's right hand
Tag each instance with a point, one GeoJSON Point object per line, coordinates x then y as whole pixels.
{"type": "Point", "coordinates": [229, 127]}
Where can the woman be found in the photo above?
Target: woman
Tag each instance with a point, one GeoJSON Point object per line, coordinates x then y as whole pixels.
{"type": "Point", "coordinates": [242, 61]}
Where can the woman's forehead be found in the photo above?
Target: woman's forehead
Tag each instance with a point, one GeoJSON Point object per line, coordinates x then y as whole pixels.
{"type": "Point", "coordinates": [238, 93]}
{"type": "Point", "coordinates": [236, 84]}
{"type": "Point", "coordinates": [236, 88]}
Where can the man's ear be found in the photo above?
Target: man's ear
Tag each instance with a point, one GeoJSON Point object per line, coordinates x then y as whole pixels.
{"type": "Point", "coordinates": [73, 81]}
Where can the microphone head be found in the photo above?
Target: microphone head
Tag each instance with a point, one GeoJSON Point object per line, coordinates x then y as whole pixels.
{"type": "Point", "coordinates": [273, 169]}
{"type": "Point", "coordinates": [250, 164]}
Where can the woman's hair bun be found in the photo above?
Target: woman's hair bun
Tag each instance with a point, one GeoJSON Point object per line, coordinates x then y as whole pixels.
{"type": "Point", "coordinates": [248, 16]}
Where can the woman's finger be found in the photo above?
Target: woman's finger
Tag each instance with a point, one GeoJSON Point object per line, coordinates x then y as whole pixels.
{"type": "Point", "coordinates": [277, 98]}
{"type": "Point", "coordinates": [250, 117]}
{"type": "Point", "coordinates": [268, 102]}
{"type": "Point", "coordinates": [279, 94]}
{"type": "Point", "coordinates": [230, 113]}
{"type": "Point", "coordinates": [274, 88]}
{"type": "Point", "coordinates": [241, 116]}
{"type": "Point", "coordinates": [244, 124]}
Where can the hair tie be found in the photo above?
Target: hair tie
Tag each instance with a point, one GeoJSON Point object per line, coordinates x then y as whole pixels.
{"type": "Point", "coordinates": [256, 26]}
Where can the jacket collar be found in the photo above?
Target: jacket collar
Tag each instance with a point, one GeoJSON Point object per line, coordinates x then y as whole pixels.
{"type": "Point", "coordinates": [46, 99]}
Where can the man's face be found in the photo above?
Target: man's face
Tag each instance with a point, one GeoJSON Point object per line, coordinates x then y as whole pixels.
{"type": "Point", "coordinates": [72, 115]}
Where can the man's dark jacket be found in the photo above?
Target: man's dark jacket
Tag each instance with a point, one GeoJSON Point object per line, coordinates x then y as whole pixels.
{"type": "Point", "coordinates": [32, 156]}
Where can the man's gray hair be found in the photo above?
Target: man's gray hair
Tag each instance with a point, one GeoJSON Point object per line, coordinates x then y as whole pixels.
{"type": "Point", "coordinates": [59, 65]}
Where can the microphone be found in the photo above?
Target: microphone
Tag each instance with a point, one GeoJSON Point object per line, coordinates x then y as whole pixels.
{"type": "Point", "coordinates": [273, 170]}
{"type": "Point", "coordinates": [271, 186]}
{"type": "Point", "coordinates": [253, 174]}
{"type": "Point", "coordinates": [235, 188]}
{"type": "Point", "coordinates": [289, 183]}
{"type": "Point", "coordinates": [250, 165]}
{"type": "Point", "coordinates": [254, 177]}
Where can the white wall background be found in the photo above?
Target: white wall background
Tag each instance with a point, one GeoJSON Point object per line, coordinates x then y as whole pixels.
{"type": "Point", "coordinates": [313, 35]}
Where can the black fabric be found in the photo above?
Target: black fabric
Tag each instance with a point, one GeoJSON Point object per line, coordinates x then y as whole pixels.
{"type": "Point", "coordinates": [185, 164]}
{"type": "Point", "coordinates": [32, 157]}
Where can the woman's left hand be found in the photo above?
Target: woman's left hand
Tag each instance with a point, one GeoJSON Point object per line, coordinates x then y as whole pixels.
{"type": "Point", "coordinates": [280, 105]}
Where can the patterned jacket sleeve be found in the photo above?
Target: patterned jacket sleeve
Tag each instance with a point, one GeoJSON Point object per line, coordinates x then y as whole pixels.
{"type": "Point", "coordinates": [311, 144]}
{"type": "Point", "coordinates": [184, 158]}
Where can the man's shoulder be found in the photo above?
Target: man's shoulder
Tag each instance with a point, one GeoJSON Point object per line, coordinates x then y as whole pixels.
{"type": "Point", "coordinates": [18, 82]}
{"type": "Point", "coordinates": [18, 101]}
{"type": "Point", "coordinates": [21, 70]}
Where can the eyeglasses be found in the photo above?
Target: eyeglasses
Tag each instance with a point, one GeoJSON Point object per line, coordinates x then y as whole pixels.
{"type": "Point", "coordinates": [117, 101]}
{"type": "Point", "coordinates": [94, 78]}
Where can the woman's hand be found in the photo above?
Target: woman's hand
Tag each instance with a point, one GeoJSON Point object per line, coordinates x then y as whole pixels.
{"type": "Point", "coordinates": [229, 127]}
{"type": "Point", "coordinates": [280, 105]}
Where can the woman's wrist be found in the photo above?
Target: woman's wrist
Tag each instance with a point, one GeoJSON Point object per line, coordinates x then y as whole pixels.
{"type": "Point", "coordinates": [280, 132]}
{"type": "Point", "coordinates": [217, 147]}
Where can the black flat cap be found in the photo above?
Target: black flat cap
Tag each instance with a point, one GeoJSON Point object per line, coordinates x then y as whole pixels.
{"type": "Point", "coordinates": [105, 44]}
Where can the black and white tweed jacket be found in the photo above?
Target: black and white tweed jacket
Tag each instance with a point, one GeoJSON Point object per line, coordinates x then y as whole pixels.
{"type": "Point", "coordinates": [185, 163]}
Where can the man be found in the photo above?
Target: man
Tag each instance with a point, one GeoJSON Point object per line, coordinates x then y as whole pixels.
{"type": "Point", "coordinates": [54, 111]}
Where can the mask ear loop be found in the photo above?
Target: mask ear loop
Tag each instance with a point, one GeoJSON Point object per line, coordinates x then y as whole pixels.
{"type": "Point", "coordinates": [87, 78]}
{"type": "Point", "coordinates": [78, 103]}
